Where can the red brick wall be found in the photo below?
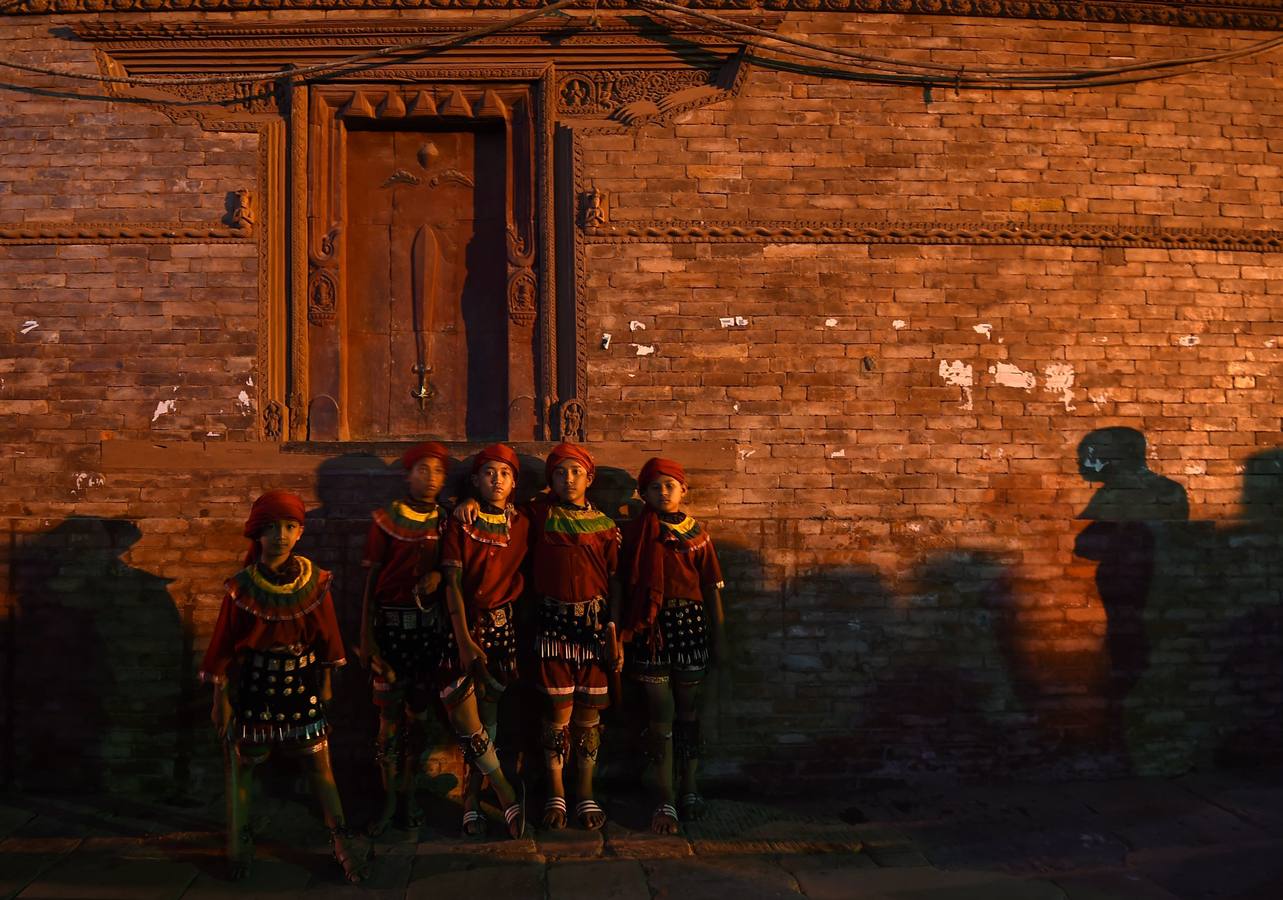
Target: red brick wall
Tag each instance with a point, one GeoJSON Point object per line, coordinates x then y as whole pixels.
{"type": "Point", "coordinates": [903, 589]}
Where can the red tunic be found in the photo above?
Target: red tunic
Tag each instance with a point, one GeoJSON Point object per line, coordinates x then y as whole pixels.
{"type": "Point", "coordinates": [575, 552]}
{"type": "Point", "coordinates": [490, 552]}
{"type": "Point", "coordinates": [259, 615]}
{"type": "Point", "coordinates": [405, 543]}
{"type": "Point", "coordinates": [690, 562]}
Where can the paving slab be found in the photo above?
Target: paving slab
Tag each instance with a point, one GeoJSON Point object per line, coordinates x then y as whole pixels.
{"type": "Point", "coordinates": [641, 843]}
{"type": "Point", "coordinates": [835, 883]}
{"type": "Point", "coordinates": [827, 876]}
{"type": "Point", "coordinates": [1111, 886]}
{"type": "Point", "coordinates": [511, 881]}
{"type": "Point", "coordinates": [719, 878]}
{"type": "Point", "coordinates": [12, 818]}
{"type": "Point", "coordinates": [571, 842]}
{"type": "Point", "coordinates": [22, 859]}
{"type": "Point", "coordinates": [268, 878]}
{"type": "Point", "coordinates": [1256, 797]}
{"type": "Point", "coordinates": [1152, 813]}
{"type": "Point", "coordinates": [730, 827]}
{"type": "Point", "coordinates": [1237, 874]}
{"type": "Point", "coordinates": [604, 879]}
{"type": "Point", "coordinates": [1015, 847]}
{"type": "Point", "coordinates": [105, 877]}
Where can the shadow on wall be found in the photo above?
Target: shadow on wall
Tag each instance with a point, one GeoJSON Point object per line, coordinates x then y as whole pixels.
{"type": "Point", "coordinates": [96, 661]}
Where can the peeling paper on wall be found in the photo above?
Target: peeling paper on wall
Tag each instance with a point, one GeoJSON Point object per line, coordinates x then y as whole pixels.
{"type": "Point", "coordinates": [829, 323]}
{"type": "Point", "coordinates": [899, 324]}
{"type": "Point", "coordinates": [1189, 340]}
{"type": "Point", "coordinates": [605, 340]}
{"type": "Point", "coordinates": [245, 404]}
{"type": "Point", "coordinates": [733, 321]}
{"type": "Point", "coordinates": [164, 407]}
{"type": "Point", "coordinates": [838, 454]}
{"type": "Point", "coordinates": [634, 325]}
{"type": "Point", "coordinates": [1008, 375]}
{"type": "Point", "coordinates": [1059, 379]}
{"type": "Point", "coordinates": [29, 326]}
{"type": "Point", "coordinates": [644, 349]}
{"type": "Point", "coordinates": [984, 328]}
{"type": "Point", "coordinates": [89, 480]}
{"type": "Point", "coordinates": [746, 452]}
{"type": "Point", "coordinates": [960, 375]}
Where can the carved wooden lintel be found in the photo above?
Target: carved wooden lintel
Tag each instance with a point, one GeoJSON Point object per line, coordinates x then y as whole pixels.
{"type": "Point", "coordinates": [1246, 14]}
{"type": "Point", "coordinates": [1058, 234]}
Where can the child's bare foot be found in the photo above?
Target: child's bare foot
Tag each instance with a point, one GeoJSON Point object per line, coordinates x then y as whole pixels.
{"type": "Point", "coordinates": [693, 806]}
{"type": "Point", "coordinates": [354, 861]}
{"type": "Point", "coordinates": [554, 813]}
{"type": "Point", "coordinates": [241, 857]}
{"type": "Point", "coordinates": [664, 821]}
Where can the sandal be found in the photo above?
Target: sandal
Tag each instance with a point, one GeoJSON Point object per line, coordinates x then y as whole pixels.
{"type": "Point", "coordinates": [354, 869]}
{"type": "Point", "coordinates": [586, 808]}
{"type": "Point", "coordinates": [664, 820]}
{"type": "Point", "coordinates": [693, 807]}
{"type": "Point", "coordinates": [552, 806]}
{"type": "Point", "coordinates": [517, 813]}
{"type": "Point", "coordinates": [239, 865]}
{"type": "Point", "coordinates": [474, 823]}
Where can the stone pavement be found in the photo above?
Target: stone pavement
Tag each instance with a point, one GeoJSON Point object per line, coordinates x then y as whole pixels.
{"type": "Point", "coordinates": [1217, 835]}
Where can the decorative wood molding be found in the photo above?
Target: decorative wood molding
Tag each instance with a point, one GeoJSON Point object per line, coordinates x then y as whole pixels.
{"type": "Point", "coordinates": [1240, 14]}
{"type": "Point", "coordinates": [126, 233]}
{"type": "Point", "coordinates": [891, 232]}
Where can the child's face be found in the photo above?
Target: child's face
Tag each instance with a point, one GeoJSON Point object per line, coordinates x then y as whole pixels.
{"type": "Point", "coordinates": [665, 494]}
{"type": "Point", "coordinates": [426, 479]}
{"type": "Point", "coordinates": [570, 482]}
{"type": "Point", "coordinates": [494, 482]}
{"type": "Point", "coordinates": [276, 541]}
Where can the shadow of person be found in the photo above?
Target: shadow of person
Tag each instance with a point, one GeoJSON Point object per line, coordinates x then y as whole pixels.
{"type": "Point", "coordinates": [1251, 645]}
{"type": "Point", "coordinates": [98, 663]}
{"type": "Point", "coordinates": [1128, 534]}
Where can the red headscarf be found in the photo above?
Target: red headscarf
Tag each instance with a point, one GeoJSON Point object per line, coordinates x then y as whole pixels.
{"type": "Point", "coordinates": [645, 589]}
{"type": "Point", "coordinates": [657, 466]}
{"type": "Point", "coordinates": [563, 452]}
{"type": "Point", "coordinates": [422, 451]}
{"type": "Point", "coordinates": [497, 453]}
{"type": "Point", "coordinates": [271, 507]}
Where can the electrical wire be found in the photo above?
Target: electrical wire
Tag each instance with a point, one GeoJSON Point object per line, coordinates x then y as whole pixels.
{"type": "Point", "coordinates": [897, 71]}
{"type": "Point", "coordinates": [305, 71]}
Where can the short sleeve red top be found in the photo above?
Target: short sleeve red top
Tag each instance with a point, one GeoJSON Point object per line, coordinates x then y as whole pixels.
{"type": "Point", "coordinates": [690, 562]}
{"type": "Point", "coordinates": [490, 552]}
{"type": "Point", "coordinates": [574, 551]}
{"type": "Point", "coordinates": [405, 543]}
{"type": "Point", "coordinates": [258, 615]}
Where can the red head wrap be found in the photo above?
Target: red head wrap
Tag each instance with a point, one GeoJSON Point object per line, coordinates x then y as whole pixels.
{"type": "Point", "coordinates": [271, 507]}
{"type": "Point", "coordinates": [563, 452]}
{"type": "Point", "coordinates": [657, 466]}
{"type": "Point", "coordinates": [423, 451]}
{"type": "Point", "coordinates": [497, 453]}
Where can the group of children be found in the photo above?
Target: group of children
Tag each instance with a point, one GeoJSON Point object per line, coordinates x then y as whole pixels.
{"type": "Point", "coordinates": [439, 619]}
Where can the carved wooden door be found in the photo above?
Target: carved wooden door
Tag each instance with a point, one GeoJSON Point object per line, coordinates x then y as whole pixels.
{"type": "Point", "coordinates": [426, 315]}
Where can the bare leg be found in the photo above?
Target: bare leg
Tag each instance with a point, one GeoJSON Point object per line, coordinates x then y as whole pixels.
{"type": "Point", "coordinates": [316, 760]}
{"type": "Point", "coordinates": [556, 744]}
{"type": "Point", "coordinates": [387, 753]}
{"type": "Point", "coordinates": [413, 745]}
{"type": "Point", "coordinates": [586, 738]}
{"type": "Point", "coordinates": [478, 750]}
{"type": "Point", "coordinates": [240, 765]}
{"type": "Point", "coordinates": [688, 746]}
{"type": "Point", "coordinates": [658, 776]}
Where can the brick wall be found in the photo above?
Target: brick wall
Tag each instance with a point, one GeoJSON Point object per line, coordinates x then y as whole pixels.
{"type": "Point", "coordinates": [901, 495]}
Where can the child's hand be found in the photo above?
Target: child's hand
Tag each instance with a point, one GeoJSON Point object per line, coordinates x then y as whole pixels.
{"type": "Point", "coordinates": [469, 654]}
{"type": "Point", "coordinates": [466, 512]}
{"type": "Point", "coordinates": [220, 712]}
{"type": "Point", "coordinates": [429, 583]}
{"type": "Point", "coordinates": [379, 666]}
{"type": "Point", "coordinates": [614, 649]}
{"type": "Point", "coordinates": [327, 687]}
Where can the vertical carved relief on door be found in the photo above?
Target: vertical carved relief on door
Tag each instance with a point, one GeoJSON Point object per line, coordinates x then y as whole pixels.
{"type": "Point", "coordinates": [423, 293]}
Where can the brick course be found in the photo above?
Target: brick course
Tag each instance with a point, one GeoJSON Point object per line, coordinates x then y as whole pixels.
{"type": "Point", "coordinates": [903, 590]}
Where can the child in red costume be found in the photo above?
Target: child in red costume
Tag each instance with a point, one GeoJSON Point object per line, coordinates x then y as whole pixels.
{"type": "Point", "coordinates": [482, 564]}
{"type": "Point", "coordinates": [270, 657]}
{"type": "Point", "coordinates": [574, 551]}
{"type": "Point", "coordinates": [404, 635]}
{"type": "Point", "coordinates": [672, 623]}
